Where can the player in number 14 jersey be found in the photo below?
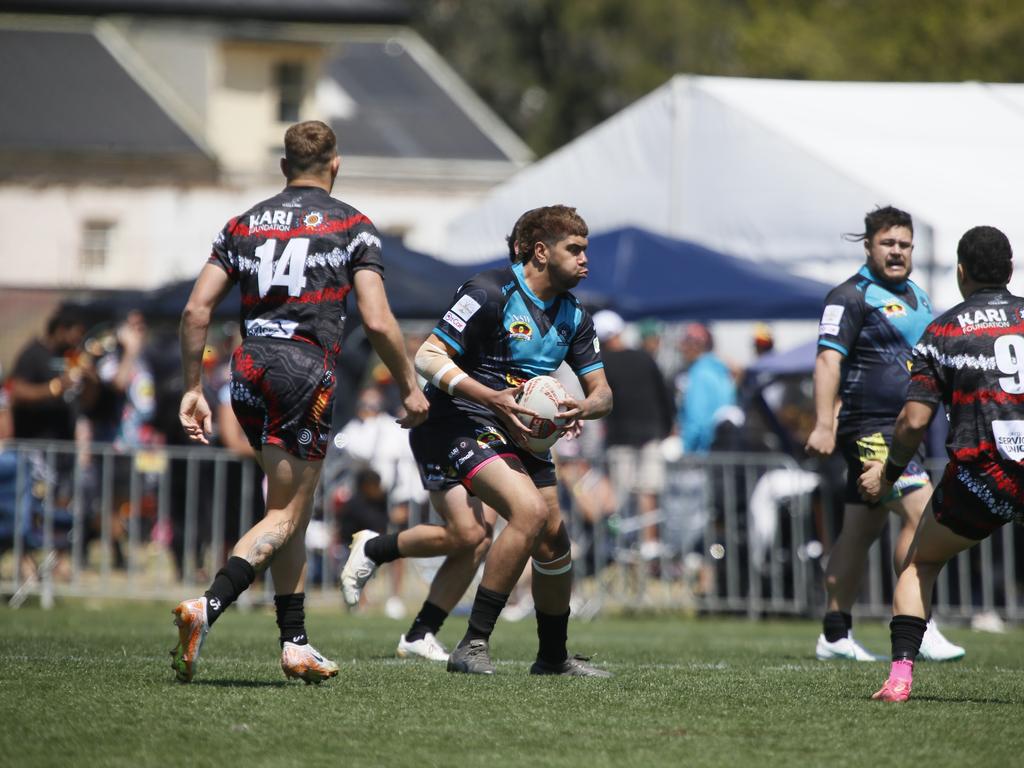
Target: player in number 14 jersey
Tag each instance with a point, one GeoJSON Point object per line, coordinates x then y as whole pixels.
{"type": "Point", "coordinates": [293, 257]}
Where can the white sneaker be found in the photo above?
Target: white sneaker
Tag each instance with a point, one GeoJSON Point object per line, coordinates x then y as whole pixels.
{"type": "Point", "coordinates": [935, 647]}
{"type": "Point", "coordinates": [844, 648]}
{"type": "Point", "coordinates": [427, 648]}
{"type": "Point", "coordinates": [358, 568]}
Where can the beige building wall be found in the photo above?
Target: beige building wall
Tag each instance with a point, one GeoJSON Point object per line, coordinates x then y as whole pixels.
{"type": "Point", "coordinates": [162, 234]}
{"type": "Point", "coordinates": [243, 128]}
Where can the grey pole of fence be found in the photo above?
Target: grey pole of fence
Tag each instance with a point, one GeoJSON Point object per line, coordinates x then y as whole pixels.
{"type": "Point", "coordinates": [707, 502]}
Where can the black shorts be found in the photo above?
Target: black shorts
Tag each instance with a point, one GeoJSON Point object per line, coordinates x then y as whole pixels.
{"type": "Point", "coordinates": [873, 445]}
{"type": "Point", "coordinates": [452, 445]}
{"type": "Point", "coordinates": [969, 506]}
{"type": "Point", "coordinates": [282, 392]}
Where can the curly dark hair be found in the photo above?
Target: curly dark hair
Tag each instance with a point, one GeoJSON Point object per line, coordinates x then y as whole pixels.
{"type": "Point", "coordinates": [879, 220]}
{"type": "Point", "coordinates": [986, 255]}
{"type": "Point", "coordinates": [548, 225]}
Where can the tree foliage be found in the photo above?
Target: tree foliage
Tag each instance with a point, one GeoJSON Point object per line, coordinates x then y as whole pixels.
{"type": "Point", "coordinates": [554, 68]}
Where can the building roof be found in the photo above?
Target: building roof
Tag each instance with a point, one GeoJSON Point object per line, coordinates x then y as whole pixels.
{"type": "Point", "coordinates": [78, 104]}
{"type": "Point", "coordinates": [69, 94]}
{"type": "Point", "coordinates": [399, 110]}
{"type": "Point", "coordinates": [350, 11]}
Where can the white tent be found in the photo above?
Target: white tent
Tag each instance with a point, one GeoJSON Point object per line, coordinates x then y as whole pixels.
{"type": "Point", "coordinates": [776, 171]}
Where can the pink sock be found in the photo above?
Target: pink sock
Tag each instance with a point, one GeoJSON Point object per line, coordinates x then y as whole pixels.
{"type": "Point", "coordinates": [902, 670]}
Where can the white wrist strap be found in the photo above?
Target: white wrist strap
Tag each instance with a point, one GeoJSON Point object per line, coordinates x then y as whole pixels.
{"type": "Point", "coordinates": [436, 378]}
{"type": "Point", "coordinates": [455, 380]}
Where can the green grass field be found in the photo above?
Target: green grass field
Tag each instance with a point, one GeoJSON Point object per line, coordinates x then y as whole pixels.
{"type": "Point", "coordinates": [86, 685]}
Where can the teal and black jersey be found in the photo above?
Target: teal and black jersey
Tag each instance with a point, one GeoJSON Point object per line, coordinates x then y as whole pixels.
{"type": "Point", "coordinates": [503, 334]}
{"type": "Point", "coordinates": [874, 325]}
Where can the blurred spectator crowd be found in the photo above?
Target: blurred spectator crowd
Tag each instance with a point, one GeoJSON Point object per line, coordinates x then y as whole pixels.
{"type": "Point", "coordinates": [635, 485]}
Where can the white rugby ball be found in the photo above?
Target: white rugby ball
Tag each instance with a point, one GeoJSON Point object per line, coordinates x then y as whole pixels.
{"type": "Point", "coordinates": [541, 395]}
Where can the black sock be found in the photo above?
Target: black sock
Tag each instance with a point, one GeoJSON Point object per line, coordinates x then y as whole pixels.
{"type": "Point", "coordinates": [837, 625]}
{"type": "Point", "coordinates": [382, 549]}
{"type": "Point", "coordinates": [291, 618]}
{"type": "Point", "coordinates": [906, 632]}
{"type": "Point", "coordinates": [486, 607]}
{"type": "Point", "coordinates": [552, 632]}
{"type": "Point", "coordinates": [231, 581]}
{"type": "Point", "coordinates": [429, 619]}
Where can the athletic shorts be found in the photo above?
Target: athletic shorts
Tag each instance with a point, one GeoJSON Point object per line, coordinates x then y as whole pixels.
{"type": "Point", "coordinates": [282, 392]}
{"type": "Point", "coordinates": [858, 448]}
{"type": "Point", "coordinates": [452, 445]}
{"type": "Point", "coordinates": [969, 506]}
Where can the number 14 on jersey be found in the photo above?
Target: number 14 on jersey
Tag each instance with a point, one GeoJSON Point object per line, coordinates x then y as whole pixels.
{"type": "Point", "coordinates": [289, 271]}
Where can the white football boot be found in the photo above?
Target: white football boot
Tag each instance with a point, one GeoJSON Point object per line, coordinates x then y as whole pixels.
{"type": "Point", "coordinates": [843, 648]}
{"type": "Point", "coordinates": [358, 568]}
{"type": "Point", "coordinates": [935, 647]}
{"type": "Point", "coordinates": [428, 647]}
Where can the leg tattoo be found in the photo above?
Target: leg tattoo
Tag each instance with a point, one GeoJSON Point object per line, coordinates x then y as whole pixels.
{"type": "Point", "coordinates": [266, 545]}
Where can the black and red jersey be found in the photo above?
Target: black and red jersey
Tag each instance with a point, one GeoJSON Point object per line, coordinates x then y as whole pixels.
{"type": "Point", "coordinates": [971, 359]}
{"type": "Point", "coordinates": [294, 257]}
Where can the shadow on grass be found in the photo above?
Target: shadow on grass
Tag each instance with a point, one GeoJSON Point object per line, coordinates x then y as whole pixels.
{"type": "Point", "coordinates": [965, 700]}
{"type": "Point", "coordinates": [224, 683]}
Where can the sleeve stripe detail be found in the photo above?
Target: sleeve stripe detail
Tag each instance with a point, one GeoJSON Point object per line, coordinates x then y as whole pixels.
{"type": "Point", "coordinates": [589, 368]}
{"type": "Point", "coordinates": [449, 340]}
{"type": "Point", "coordinates": [834, 345]}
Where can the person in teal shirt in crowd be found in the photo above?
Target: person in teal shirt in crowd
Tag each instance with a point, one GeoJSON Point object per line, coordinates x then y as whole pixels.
{"type": "Point", "coordinates": [705, 388]}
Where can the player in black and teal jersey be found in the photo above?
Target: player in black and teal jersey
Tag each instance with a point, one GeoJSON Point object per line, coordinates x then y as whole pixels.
{"type": "Point", "coordinates": [504, 326]}
{"type": "Point", "coordinates": [868, 330]}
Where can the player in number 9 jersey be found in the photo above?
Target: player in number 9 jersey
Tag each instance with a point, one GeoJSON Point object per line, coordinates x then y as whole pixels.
{"type": "Point", "coordinates": [971, 359]}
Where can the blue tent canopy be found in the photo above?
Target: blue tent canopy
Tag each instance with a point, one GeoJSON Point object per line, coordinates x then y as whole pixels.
{"type": "Point", "coordinates": [640, 274]}
{"type": "Point", "coordinates": [799, 359]}
{"type": "Point", "coordinates": [637, 273]}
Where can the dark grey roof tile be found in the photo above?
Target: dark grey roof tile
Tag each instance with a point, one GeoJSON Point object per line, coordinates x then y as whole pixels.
{"type": "Point", "coordinates": [64, 92]}
{"type": "Point", "coordinates": [352, 11]}
{"type": "Point", "coordinates": [401, 111]}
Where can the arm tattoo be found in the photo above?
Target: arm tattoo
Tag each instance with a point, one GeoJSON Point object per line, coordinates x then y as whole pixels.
{"type": "Point", "coordinates": [266, 545]}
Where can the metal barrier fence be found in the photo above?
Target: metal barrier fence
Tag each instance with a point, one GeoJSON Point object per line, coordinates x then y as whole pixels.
{"type": "Point", "coordinates": [736, 533]}
{"type": "Point", "coordinates": [749, 534]}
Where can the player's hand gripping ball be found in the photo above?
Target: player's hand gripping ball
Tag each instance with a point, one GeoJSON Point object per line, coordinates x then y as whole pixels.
{"type": "Point", "coordinates": [541, 395]}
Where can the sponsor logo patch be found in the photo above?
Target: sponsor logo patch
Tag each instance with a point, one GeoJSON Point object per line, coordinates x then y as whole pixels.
{"type": "Point", "coordinates": [466, 307]}
{"type": "Point", "coordinates": [454, 321]}
{"type": "Point", "coordinates": [833, 313]}
{"type": "Point", "coordinates": [279, 329]}
{"type": "Point", "coordinates": [313, 219]}
{"type": "Point", "coordinates": [488, 438]}
{"type": "Point", "coordinates": [271, 220]}
{"type": "Point", "coordinates": [520, 329]}
{"type": "Point", "coordinates": [1009, 439]}
{"type": "Point", "coordinates": [894, 309]}
{"type": "Point", "coordinates": [564, 334]}
{"type": "Point", "coordinates": [983, 318]}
